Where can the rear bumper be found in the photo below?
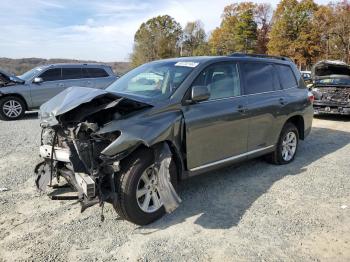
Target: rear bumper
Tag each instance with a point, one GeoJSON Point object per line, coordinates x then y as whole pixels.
{"type": "Point", "coordinates": [331, 108]}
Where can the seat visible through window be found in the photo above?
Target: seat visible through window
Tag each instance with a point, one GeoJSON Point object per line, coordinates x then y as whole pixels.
{"type": "Point", "coordinates": [222, 80]}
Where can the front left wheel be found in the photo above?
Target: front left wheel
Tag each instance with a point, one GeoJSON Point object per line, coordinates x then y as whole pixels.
{"type": "Point", "coordinates": [11, 108]}
{"type": "Point", "coordinates": [138, 194]}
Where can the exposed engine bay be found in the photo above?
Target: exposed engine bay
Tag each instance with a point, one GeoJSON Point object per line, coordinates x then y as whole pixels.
{"type": "Point", "coordinates": [333, 94]}
{"type": "Point", "coordinates": [8, 80]}
{"type": "Point", "coordinates": [331, 87]}
{"type": "Point", "coordinates": [73, 146]}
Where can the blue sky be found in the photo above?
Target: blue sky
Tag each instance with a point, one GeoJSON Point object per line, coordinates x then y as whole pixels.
{"type": "Point", "coordinates": [101, 30]}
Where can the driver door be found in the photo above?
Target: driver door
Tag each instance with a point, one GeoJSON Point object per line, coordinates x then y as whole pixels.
{"type": "Point", "coordinates": [52, 85]}
{"type": "Point", "coordinates": [216, 129]}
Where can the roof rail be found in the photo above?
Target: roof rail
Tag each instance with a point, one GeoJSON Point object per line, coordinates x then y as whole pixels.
{"type": "Point", "coordinates": [261, 56]}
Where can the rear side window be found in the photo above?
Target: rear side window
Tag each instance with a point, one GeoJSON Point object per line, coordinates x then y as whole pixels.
{"type": "Point", "coordinates": [259, 78]}
{"type": "Point", "coordinates": [96, 72]}
{"type": "Point", "coordinates": [51, 74]}
{"type": "Point", "coordinates": [286, 76]}
{"type": "Point", "coordinates": [71, 73]}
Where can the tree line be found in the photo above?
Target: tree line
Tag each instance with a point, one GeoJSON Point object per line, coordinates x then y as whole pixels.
{"type": "Point", "coordinates": [302, 30]}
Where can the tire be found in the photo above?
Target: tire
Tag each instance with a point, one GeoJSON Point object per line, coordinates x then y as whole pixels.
{"type": "Point", "coordinates": [278, 157]}
{"type": "Point", "coordinates": [128, 205]}
{"type": "Point", "coordinates": [11, 108]}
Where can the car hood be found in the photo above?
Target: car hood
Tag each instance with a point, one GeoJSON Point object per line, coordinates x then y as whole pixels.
{"type": "Point", "coordinates": [80, 102]}
{"type": "Point", "coordinates": [330, 69]}
{"type": "Point", "coordinates": [7, 79]}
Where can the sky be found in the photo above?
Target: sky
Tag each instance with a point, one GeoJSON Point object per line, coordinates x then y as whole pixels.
{"type": "Point", "coordinates": [100, 30]}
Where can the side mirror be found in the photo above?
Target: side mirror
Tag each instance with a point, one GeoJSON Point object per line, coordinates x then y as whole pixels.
{"type": "Point", "coordinates": [38, 80]}
{"type": "Point", "coordinates": [199, 94]}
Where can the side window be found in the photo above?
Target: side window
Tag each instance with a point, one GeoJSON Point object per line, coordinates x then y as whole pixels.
{"type": "Point", "coordinates": [51, 74]}
{"type": "Point", "coordinates": [286, 76]}
{"type": "Point", "coordinates": [259, 78]}
{"type": "Point", "coordinates": [96, 72]}
{"type": "Point", "coordinates": [71, 73]}
{"type": "Point", "coordinates": [222, 80]}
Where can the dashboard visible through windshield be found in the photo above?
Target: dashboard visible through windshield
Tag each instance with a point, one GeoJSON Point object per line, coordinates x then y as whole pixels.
{"type": "Point", "coordinates": [153, 80]}
{"type": "Point", "coordinates": [334, 81]}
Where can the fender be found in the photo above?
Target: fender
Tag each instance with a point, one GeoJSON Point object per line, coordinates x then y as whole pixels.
{"type": "Point", "coordinates": [161, 127]}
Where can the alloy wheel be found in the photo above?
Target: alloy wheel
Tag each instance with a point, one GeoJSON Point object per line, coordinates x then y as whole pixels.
{"type": "Point", "coordinates": [12, 108]}
{"type": "Point", "coordinates": [289, 146]}
{"type": "Point", "coordinates": [147, 193]}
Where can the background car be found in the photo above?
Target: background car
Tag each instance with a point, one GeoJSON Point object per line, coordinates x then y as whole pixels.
{"type": "Point", "coordinates": [331, 87]}
{"type": "Point", "coordinates": [306, 76]}
{"type": "Point", "coordinates": [35, 87]}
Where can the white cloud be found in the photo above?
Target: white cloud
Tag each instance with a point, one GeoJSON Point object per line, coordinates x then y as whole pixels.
{"type": "Point", "coordinates": [96, 30]}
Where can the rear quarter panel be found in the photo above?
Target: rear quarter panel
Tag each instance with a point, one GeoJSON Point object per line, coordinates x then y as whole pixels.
{"type": "Point", "coordinates": [298, 104]}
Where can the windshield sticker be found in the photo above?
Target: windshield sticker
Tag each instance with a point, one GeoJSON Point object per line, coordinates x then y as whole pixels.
{"type": "Point", "coordinates": [187, 64]}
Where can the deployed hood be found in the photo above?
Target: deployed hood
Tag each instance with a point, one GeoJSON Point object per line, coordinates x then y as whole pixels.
{"type": "Point", "coordinates": [75, 104]}
{"type": "Point", "coordinates": [330, 69]}
{"type": "Point", "coordinates": [7, 79]}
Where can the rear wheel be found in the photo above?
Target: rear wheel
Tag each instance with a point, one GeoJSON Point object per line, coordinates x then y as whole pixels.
{"type": "Point", "coordinates": [138, 196]}
{"type": "Point", "coordinates": [287, 145]}
{"type": "Point", "coordinates": [11, 108]}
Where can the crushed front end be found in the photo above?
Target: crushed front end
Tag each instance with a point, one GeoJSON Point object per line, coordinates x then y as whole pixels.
{"type": "Point", "coordinates": [331, 87]}
{"type": "Point", "coordinates": [332, 100]}
{"type": "Point", "coordinates": [71, 145]}
{"type": "Point", "coordinates": [74, 154]}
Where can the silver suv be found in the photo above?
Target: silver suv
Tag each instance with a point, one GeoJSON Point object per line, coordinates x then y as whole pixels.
{"type": "Point", "coordinates": [35, 87]}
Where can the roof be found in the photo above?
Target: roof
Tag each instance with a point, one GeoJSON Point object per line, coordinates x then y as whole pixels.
{"type": "Point", "coordinates": [73, 65]}
{"type": "Point", "coordinates": [235, 56]}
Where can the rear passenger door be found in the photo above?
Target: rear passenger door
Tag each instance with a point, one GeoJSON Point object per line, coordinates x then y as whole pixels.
{"type": "Point", "coordinates": [99, 77]}
{"type": "Point", "coordinates": [74, 76]}
{"type": "Point", "coordinates": [265, 102]}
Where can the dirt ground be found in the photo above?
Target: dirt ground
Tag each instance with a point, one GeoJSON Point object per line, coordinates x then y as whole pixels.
{"type": "Point", "coordinates": [251, 212]}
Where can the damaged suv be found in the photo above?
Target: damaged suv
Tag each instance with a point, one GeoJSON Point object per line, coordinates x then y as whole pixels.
{"type": "Point", "coordinates": [167, 120]}
{"type": "Point", "coordinates": [331, 87]}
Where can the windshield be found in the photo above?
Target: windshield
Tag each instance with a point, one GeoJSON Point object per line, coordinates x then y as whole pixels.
{"type": "Point", "coordinates": [29, 74]}
{"type": "Point", "coordinates": [334, 81]}
{"type": "Point", "coordinates": [153, 80]}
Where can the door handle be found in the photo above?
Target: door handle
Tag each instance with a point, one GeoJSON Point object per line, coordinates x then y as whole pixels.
{"type": "Point", "coordinates": [241, 108]}
{"type": "Point", "coordinates": [282, 101]}
{"type": "Point", "coordinates": [60, 85]}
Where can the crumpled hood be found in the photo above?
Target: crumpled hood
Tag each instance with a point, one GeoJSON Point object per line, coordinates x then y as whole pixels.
{"type": "Point", "coordinates": [8, 79]}
{"type": "Point", "coordinates": [329, 68]}
{"type": "Point", "coordinates": [72, 98]}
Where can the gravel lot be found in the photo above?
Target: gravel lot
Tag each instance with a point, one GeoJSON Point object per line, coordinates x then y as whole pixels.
{"type": "Point", "coordinates": [254, 211]}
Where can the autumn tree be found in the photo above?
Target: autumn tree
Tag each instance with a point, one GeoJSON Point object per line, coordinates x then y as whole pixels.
{"type": "Point", "coordinates": [244, 28]}
{"type": "Point", "coordinates": [194, 39]}
{"type": "Point", "coordinates": [339, 33]}
{"type": "Point", "coordinates": [293, 32]}
{"type": "Point", "coordinates": [263, 15]}
{"type": "Point", "coordinates": [157, 38]}
{"type": "Point", "coordinates": [245, 32]}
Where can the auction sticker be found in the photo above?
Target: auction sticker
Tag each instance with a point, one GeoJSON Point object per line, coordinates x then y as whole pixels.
{"type": "Point", "coordinates": [187, 64]}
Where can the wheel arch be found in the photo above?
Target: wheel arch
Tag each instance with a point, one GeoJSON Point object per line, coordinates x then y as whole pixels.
{"type": "Point", "coordinates": [299, 122]}
{"type": "Point", "coordinates": [175, 152]}
{"type": "Point", "coordinates": [17, 96]}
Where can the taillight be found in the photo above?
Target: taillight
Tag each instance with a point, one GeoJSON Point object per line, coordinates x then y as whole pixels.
{"type": "Point", "coordinates": [310, 97]}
